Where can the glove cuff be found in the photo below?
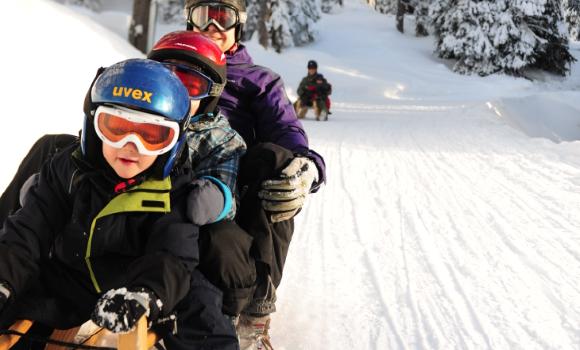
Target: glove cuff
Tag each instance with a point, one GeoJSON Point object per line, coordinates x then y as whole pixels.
{"type": "Point", "coordinates": [147, 298]}
{"type": "Point", "coordinates": [313, 169]}
{"type": "Point", "coordinates": [5, 290]}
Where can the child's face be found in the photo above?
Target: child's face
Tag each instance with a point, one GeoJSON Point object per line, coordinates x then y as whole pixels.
{"type": "Point", "coordinates": [127, 161]}
{"type": "Point", "coordinates": [194, 106]}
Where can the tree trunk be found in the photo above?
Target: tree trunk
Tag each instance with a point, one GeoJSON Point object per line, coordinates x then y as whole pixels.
{"type": "Point", "coordinates": [400, 17]}
{"type": "Point", "coordinates": [139, 28]}
{"type": "Point", "coordinates": [263, 15]}
{"type": "Point", "coordinates": [421, 18]}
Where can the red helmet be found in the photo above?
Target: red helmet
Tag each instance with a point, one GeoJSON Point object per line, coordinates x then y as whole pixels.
{"type": "Point", "coordinates": [193, 49]}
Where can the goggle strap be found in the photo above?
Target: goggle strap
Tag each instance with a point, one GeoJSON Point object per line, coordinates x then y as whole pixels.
{"type": "Point", "coordinates": [216, 89]}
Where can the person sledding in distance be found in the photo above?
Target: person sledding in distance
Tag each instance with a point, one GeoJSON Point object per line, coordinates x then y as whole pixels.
{"type": "Point", "coordinates": [105, 232]}
{"type": "Point", "coordinates": [313, 92]}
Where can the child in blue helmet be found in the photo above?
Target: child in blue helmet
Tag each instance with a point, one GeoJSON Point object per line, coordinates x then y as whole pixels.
{"type": "Point", "coordinates": [104, 233]}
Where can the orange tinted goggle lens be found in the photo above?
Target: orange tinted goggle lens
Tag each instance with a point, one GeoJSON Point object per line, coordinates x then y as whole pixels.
{"type": "Point", "coordinates": [153, 136]}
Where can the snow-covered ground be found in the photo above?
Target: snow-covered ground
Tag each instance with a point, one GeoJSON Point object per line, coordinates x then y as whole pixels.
{"type": "Point", "coordinates": [451, 215]}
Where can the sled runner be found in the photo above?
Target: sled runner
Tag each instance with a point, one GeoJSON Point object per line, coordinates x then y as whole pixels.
{"type": "Point", "coordinates": [321, 108]}
{"type": "Point", "coordinates": [139, 339]}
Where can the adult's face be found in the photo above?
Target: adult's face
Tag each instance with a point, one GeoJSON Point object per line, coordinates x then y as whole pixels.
{"type": "Point", "coordinates": [225, 40]}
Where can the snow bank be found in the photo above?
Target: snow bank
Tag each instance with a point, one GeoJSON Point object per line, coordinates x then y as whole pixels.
{"type": "Point", "coordinates": [555, 116]}
{"type": "Point", "coordinates": [47, 66]}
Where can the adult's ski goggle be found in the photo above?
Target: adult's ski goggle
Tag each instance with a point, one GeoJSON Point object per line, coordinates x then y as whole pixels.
{"type": "Point", "coordinates": [223, 16]}
{"type": "Point", "coordinates": [151, 134]}
{"type": "Point", "coordinates": [198, 84]}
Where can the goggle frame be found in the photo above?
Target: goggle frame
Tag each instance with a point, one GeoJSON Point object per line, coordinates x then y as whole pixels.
{"type": "Point", "coordinates": [240, 17]}
{"type": "Point", "coordinates": [136, 117]}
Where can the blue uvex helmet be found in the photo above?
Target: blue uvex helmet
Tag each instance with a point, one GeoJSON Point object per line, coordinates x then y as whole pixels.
{"type": "Point", "coordinates": [143, 85]}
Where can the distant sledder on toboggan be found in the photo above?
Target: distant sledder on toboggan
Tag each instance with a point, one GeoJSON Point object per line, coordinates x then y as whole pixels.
{"type": "Point", "coordinates": [313, 92]}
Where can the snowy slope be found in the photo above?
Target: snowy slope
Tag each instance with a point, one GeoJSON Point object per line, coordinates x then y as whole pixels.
{"type": "Point", "coordinates": [450, 218]}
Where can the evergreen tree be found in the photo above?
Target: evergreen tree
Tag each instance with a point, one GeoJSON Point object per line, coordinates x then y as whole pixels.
{"type": "Point", "coordinates": [501, 35]}
{"type": "Point", "coordinates": [572, 17]}
{"type": "Point", "coordinates": [94, 5]}
{"type": "Point", "coordinates": [545, 20]}
{"type": "Point", "coordinates": [303, 15]}
{"type": "Point", "coordinates": [171, 11]}
{"type": "Point", "coordinates": [462, 28]}
{"type": "Point", "coordinates": [421, 10]}
{"type": "Point", "coordinates": [327, 6]}
{"type": "Point", "coordinates": [253, 8]}
{"type": "Point", "coordinates": [282, 23]}
{"type": "Point", "coordinates": [278, 25]}
{"type": "Point", "coordinates": [515, 42]}
{"type": "Point", "coordinates": [386, 6]}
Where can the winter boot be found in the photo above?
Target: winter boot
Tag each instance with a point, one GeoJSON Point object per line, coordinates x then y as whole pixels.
{"type": "Point", "coordinates": [253, 332]}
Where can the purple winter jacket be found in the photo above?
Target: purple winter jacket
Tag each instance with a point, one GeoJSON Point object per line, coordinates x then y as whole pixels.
{"type": "Point", "coordinates": [256, 105]}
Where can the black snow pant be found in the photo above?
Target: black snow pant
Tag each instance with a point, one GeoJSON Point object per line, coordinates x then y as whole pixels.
{"type": "Point", "coordinates": [42, 150]}
{"type": "Point", "coordinates": [200, 321]}
{"type": "Point", "coordinates": [225, 245]}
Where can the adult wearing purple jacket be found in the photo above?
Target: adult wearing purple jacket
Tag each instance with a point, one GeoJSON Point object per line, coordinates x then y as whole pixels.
{"type": "Point", "coordinates": [277, 173]}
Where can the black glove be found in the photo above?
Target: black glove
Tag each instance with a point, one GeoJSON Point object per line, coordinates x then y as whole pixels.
{"type": "Point", "coordinates": [118, 310]}
{"type": "Point", "coordinates": [4, 295]}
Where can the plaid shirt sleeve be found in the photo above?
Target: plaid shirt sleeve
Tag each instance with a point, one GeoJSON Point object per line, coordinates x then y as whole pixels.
{"type": "Point", "coordinates": [215, 150]}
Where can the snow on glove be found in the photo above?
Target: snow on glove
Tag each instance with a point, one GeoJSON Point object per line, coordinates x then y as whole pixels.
{"type": "Point", "coordinates": [4, 295]}
{"type": "Point", "coordinates": [118, 310]}
{"type": "Point", "coordinates": [285, 196]}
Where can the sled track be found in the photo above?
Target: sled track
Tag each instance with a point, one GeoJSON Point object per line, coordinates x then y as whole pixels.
{"type": "Point", "coordinates": [458, 221]}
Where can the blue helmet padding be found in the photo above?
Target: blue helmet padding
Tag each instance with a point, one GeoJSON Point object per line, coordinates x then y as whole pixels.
{"type": "Point", "coordinates": [145, 85]}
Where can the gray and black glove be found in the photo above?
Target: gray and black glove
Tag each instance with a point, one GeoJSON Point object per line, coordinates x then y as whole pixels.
{"type": "Point", "coordinates": [209, 201]}
{"type": "Point", "coordinates": [286, 195]}
{"type": "Point", "coordinates": [4, 295]}
{"type": "Point", "coordinates": [118, 310]}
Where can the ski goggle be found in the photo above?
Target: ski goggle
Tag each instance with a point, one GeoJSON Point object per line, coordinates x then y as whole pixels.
{"type": "Point", "coordinates": [198, 84]}
{"type": "Point", "coordinates": [223, 16]}
{"type": "Point", "coordinates": [151, 134]}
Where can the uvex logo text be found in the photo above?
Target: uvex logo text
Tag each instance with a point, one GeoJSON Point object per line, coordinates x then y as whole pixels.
{"type": "Point", "coordinates": [135, 94]}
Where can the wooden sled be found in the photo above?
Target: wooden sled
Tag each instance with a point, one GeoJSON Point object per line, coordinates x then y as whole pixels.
{"type": "Point", "coordinates": [139, 339]}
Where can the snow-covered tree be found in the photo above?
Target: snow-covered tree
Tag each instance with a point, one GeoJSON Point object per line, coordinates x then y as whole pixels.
{"type": "Point", "coordinates": [278, 25]}
{"type": "Point", "coordinates": [545, 19]}
{"type": "Point", "coordinates": [462, 28]}
{"type": "Point", "coordinates": [253, 8]}
{"type": "Point", "coordinates": [501, 35]}
{"type": "Point", "coordinates": [327, 6]}
{"type": "Point", "coordinates": [572, 17]}
{"type": "Point", "coordinates": [515, 43]}
{"type": "Point", "coordinates": [421, 11]}
{"type": "Point", "coordinates": [94, 5]}
{"type": "Point", "coordinates": [171, 11]}
{"type": "Point", "coordinates": [386, 6]}
{"type": "Point", "coordinates": [303, 15]}
{"type": "Point", "coordinates": [282, 23]}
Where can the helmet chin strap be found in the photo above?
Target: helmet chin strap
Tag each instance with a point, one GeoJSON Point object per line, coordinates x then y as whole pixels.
{"type": "Point", "coordinates": [232, 49]}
